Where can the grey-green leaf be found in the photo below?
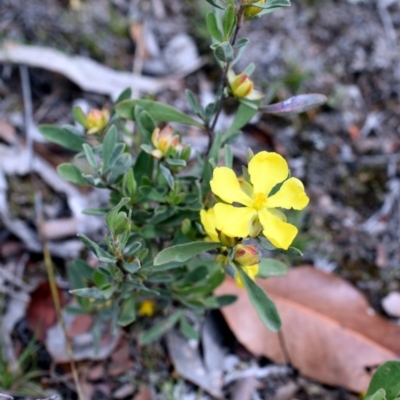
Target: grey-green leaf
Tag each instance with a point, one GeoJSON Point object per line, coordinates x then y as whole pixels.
{"type": "Point", "coordinates": [91, 293]}
{"type": "Point", "coordinates": [212, 27]}
{"type": "Point", "coordinates": [158, 330]}
{"type": "Point", "coordinates": [62, 137]}
{"type": "Point", "coordinates": [101, 254]}
{"type": "Point", "coordinates": [224, 52]}
{"type": "Point", "coordinates": [264, 306]}
{"type": "Point", "coordinates": [229, 22]}
{"type": "Point", "coordinates": [386, 377]}
{"type": "Point", "coordinates": [71, 173]}
{"type": "Point", "coordinates": [269, 267]}
{"type": "Point", "coordinates": [159, 111]}
{"type": "Point", "coordinates": [184, 252]}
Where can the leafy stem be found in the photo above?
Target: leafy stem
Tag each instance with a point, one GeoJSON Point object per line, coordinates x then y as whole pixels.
{"type": "Point", "coordinates": [223, 82]}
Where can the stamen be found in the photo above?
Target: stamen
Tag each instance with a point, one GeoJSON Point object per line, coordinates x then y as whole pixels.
{"type": "Point", "coordinates": [260, 200]}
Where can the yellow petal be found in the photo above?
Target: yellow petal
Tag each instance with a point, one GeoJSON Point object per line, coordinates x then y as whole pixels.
{"type": "Point", "coordinates": [290, 195]}
{"type": "Point", "coordinates": [279, 233]}
{"type": "Point", "coordinates": [233, 221]}
{"type": "Point", "coordinates": [226, 186]}
{"type": "Point", "coordinates": [208, 221]}
{"type": "Point", "coordinates": [266, 170]}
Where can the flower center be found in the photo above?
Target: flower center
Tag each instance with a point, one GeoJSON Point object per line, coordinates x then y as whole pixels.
{"type": "Point", "coordinates": [260, 200]}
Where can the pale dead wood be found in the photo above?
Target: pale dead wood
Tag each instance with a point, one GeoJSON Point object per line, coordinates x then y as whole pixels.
{"type": "Point", "coordinates": [88, 74]}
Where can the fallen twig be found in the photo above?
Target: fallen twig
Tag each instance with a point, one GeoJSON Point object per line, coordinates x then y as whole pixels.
{"type": "Point", "coordinates": [88, 74]}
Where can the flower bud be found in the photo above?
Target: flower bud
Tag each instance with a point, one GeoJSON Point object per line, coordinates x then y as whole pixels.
{"type": "Point", "coordinates": [97, 120]}
{"type": "Point", "coordinates": [246, 255]}
{"type": "Point", "coordinates": [242, 86]}
{"type": "Point", "coordinates": [164, 141]}
{"type": "Point", "coordinates": [250, 12]}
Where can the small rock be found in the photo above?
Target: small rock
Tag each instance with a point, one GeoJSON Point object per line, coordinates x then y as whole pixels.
{"type": "Point", "coordinates": [391, 304]}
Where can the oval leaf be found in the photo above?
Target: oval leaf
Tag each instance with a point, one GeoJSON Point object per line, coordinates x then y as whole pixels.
{"type": "Point", "coordinates": [71, 173]}
{"type": "Point", "coordinates": [264, 306]}
{"type": "Point", "coordinates": [386, 377]}
{"type": "Point", "coordinates": [62, 137]}
{"type": "Point", "coordinates": [184, 252]}
{"type": "Point", "coordinates": [159, 111]}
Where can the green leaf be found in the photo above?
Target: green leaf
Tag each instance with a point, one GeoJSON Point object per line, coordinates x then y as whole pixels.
{"type": "Point", "coordinates": [128, 312]}
{"type": "Point", "coordinates": [187, 330]}
{"type": "Point", "coordinates": [101, 254]}
{"type": "Point", "coordinates": [112, 214]}
{"type": "Point", "coordinates": [90, 293]}
{"type": "Point", "coordinates": [224, 52]}
{"type": "Point", "coordinates": [71, 173]}
{"type": "Point", "coordinates": [160, 329]}
{"type": "Point", "coordinates": [212, 27]}
{"type": "Point", "coordinates": [166, 173]}
{"type": "Point", "coordinates": [78, 271]}
{"type": "Point", "coordinates": [132, 267]}
{"type": "Point", "coordinates": [143, 167]}
{"type": "Point", "coordinates": [243, 115]}
{"type": "Point", "coordinates": [146, 124]}
{"type": "Point", "coordinates": [116, 152]}
{"type": "Point", "coordinates": [184, 252]}
{"type": "Point", "coordinates": [125, 95]}
{"type": "Point", "coordinates": [62, 137]}
{"type": "Point", "coordinates": [229, 22]}
{"type": "Point", "coordinates": [159, 111]}
{"type": "Point", "coordinates": [269, 267]}
{"type": "Point", "coordinates": [194, 104]}
{"type": "Point", "coordinates": [79, 115]}
{"type": "Point", "coordinates": [95, 211]}
{"type": "Point", "coordinates": [386, 377]}
{"type": "Point", "coordinates": [90, 156]}
{"type": "Point", "coordinates": [263, 305]}
{"type": "Point", "coordinates": [120, 167]}
{"type": "Point", "coordinates": [380, 394]}
{"type": "Point", "coordinates": [225, 300]}
{"type": "Point", "coordinates": [110, 140]}
{"type": "Point", "coordinates": [228, 156]}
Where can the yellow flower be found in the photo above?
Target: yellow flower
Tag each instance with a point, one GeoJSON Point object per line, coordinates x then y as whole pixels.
{"type": "Point", "coordinates": [250, 270]}
{"type": "Point", "coordinates": [164, 141]}
{"type": "Point", "coordinates": [242, 86]}
{"type": "Point", "coordinates": [250, 12]}
{"type": "Point", "coordinates": [207, 219]}
{"type": "Point", "coordinates": [147, 308]}
{"type": "Point", "coordinates": [97, 120]}
{"type": "Point", "coordinates": [266, 170]}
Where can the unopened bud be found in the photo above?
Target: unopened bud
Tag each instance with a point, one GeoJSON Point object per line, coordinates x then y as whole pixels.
{"type": "Point", "coordinates": [250, 11]}
{"type": "Point", "coordinates": [247, 255]}
{"type": "Point", "coordinates": [242, 86]}
{"type": "Point", "coordinates": [97, 120]}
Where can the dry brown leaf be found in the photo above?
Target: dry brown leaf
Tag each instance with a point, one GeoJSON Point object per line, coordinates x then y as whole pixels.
{"type": "Point", "coordinates": [41, 313]}
{"type": "Point", "coordinates": [330, 332]}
